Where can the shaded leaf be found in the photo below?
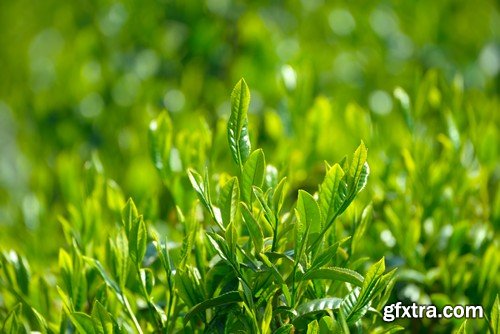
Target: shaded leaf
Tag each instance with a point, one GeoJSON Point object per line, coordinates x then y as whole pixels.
{"type": "Point", "coordinates": [224, 299]}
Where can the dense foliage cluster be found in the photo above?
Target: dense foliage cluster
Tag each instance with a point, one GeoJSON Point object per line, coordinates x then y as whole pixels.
{"type": "Point", "coordinates": [359, 166]}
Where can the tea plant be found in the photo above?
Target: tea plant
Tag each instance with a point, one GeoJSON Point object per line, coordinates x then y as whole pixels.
{"type": "Point", "coordinates": [249, 261]}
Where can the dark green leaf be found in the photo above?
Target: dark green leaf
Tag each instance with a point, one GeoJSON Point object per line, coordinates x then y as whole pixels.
{"type": "Point", "coordinates": [224, 299]}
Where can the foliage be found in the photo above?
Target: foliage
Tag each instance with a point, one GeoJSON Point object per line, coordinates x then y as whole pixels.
{"type": "Point", "coordinates": [197, 210]}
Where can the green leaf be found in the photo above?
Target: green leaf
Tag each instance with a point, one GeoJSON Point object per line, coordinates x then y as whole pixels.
{"type": "Point", "coordinates": [129, 215]}
{"type": "Point", "coordinates": [332, 194]}
{"type": "Point", "coordinates": [495, 316]}
{"type": "Point", "coordinates": [286, 329]}
{"type": "Point", "coordinates": [279, 195]}
{"type": "Point", "coordinates": [160, 138]}
{"type": "Point", "coordinates": [42, 323]}
{"type": "Point", "coordinates": [309, 216]}
{"type": "Point", "coordinates": [224, 299]}
{"type": "Point", "coordinates": [82, 322]}
{"type": "Point", "coordinates": [334, 274]}
{"type": "Point", "coordinates": [138, 239]}
{"type": "Point", "coordinates": [12, 324]}
{"type": "Point", "coordinates": [107, 279]}
{"type": "Point", "coordinates": [373, 275]}
{"type": "Point", "coordinates": [198, 184]}
{"type": "Point", "coordinates": [228, 201]}
{"type": "Point", "coordinates": [266, 319]}
{"type": "Point", "coordinates": [147, 279]}
{"type": "Point", "coordinates": [188, 286]}
{"type": "Point", "coordinates": [311, 308]}
{"type": "Point", "coordinates": [388, 329]}
{"type": "Point", "coordinates": [313, 327]}
{"type": "Point", "coordinates": [220, 245]}
{"type": "Point", "coordinates": [202, 188]}
{"type": "Point", "coordinates": [253, 174]}
{"type": "Point", "coordinates": [354, 307]}
{"type": "Point", "coordinates": [101, 319]}
{"type": "Point", "coordinates": [121, 258]}
{"type": "Point", "coordinates": [463, 328]}
{"type": "Point", "coordinates": [328, 325]}
{"type": "Point", "coordinates": [237, 127]}
{"type": "Point", "coordinates": [253, 228]}
{"type": "Point", "coordinates": [328, 254]}
{"type": "Point", "coordinates": [358, 161]}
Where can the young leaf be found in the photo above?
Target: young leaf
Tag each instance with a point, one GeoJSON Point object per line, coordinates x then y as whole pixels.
{"type": "Point", "coordinates": [103, 323]}
{"type": "Point", "coordinates": [228, 201]}
{"type": "Point", "coordinates": [309, 212]}
{"type": "Point", "coordinates": [160, 138]}
{"type": "Point", "coordinates": [253, 174]}
{"type": "Point", "coordinates": [495, 316]}
{"type": "Point", "coordinates": [332, 194]}
{"type": "Point", "coordinates": [463, 328]}
{"type": "Point", "coordinates": [266, 319]}
{"type": "Point", "coordinates": [12, 324]}
{"type": "Point", "coordinates": [82, 322]}
{"type": "Point", "coordinates": [313, 327]}
{"type": "Point", "coordinates": [129, 215]}
{"type": "Point", "coordinates": [138, 239]}
{"type": "Point", "coordinates": [237, 127]}
{"type": "Point", "coordinates": [253, 228]}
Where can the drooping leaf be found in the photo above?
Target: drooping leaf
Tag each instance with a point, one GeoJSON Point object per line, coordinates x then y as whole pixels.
{"type": "Point", "coordinates": [224, 299]}
{"type": "Point", "coordinates": [308, 309]}
{"type": "Point", "coordinates": [334, 274]}
{"type": "Point", "coordinates": [237, 127]}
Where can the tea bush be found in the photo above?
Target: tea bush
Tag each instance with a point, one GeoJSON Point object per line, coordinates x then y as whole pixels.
{"type": "Point", "coordinates": [360, 169]}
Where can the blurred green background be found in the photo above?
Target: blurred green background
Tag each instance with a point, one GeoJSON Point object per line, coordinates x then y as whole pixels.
{"type": "Point", "coordinates": [79, 77]}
